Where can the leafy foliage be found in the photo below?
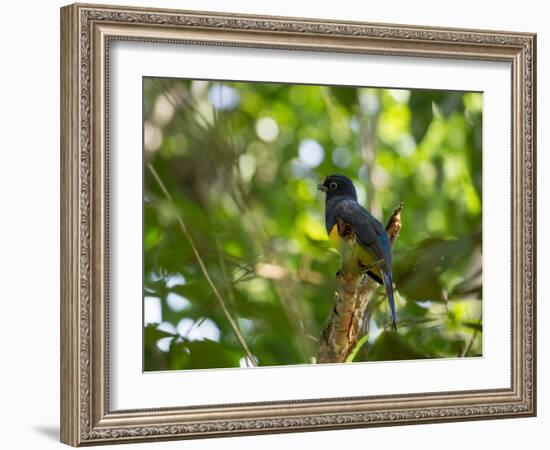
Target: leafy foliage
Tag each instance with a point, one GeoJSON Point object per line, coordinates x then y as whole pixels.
{"type": "Point", "coordinates": [241, 161]}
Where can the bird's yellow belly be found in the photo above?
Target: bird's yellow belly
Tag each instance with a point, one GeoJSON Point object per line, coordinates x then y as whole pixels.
{"type": "Point", "coordinates": [352, 251]}
{"type": "Point", "coordinates": [333, 236]}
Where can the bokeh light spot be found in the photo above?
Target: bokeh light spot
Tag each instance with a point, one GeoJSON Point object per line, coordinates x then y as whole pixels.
{"type": "Point", "coordinates": [152, 137]}
{"type": "Point", "coordinates": [267, 129]}
{"type": "Point", "coordinates": [223, 97]}
{"type": "Point", "coordinates": [311, 153]}
{"type": "Point", "coordinates": [152, 312]}
{"type": "Point", "coordinates": [175, 280]}
{"type": "Point", "coordinates": [247, 166]}
{"type": "Point", "coordinates": [341, 157]}
{"type": "Point", "coordinates": [163, 111]}
{"type": "Point", "coordinates": [163, 344]}
{"type": "Point", "coordinates": [177, 302]}
{"type": "Point", "coordinates": [400, 95]}
{"type": "Point", "coordinates": [198, 330]}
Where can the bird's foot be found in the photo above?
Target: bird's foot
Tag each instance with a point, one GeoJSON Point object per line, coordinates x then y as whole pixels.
{"type": "Point", "coordinates": [380, 264]}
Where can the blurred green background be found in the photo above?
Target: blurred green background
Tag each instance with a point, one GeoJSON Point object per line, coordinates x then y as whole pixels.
{"type": "Point", "coordinates": [241, 162]}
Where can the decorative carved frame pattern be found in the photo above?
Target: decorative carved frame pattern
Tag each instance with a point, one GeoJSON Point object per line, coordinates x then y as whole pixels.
{"type": "Point", "coordinates": [86, 31]}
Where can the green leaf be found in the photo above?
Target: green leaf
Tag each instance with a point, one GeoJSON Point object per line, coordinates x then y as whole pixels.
{"type": "Point", "coordinates": [346, 96]}
{"type": "Point", "coordinates": [153, 334]}
{"type": "Point", "coordinates": [207, 355]}
{"type": "Point", "coordinates": [419, 272]}
{"type": "Point", "coordinates": [391, 346]}
{"type": "Point", "coordinates": [477, 326]}
{"type": "Point", "coordinates": [357, 347]}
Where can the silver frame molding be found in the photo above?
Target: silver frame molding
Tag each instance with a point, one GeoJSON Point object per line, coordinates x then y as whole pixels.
{"type": "Point", "coordinates": [86, 31]}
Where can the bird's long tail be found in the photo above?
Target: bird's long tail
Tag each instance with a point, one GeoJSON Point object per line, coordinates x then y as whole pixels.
{"type": "Point", "coordinates": [388, 284]}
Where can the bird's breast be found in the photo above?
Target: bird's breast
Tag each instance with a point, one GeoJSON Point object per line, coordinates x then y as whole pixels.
{"type": "Point", "coordinates": [333, 235]}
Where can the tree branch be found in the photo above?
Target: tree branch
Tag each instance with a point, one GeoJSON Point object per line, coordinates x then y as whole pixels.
{"type": "Point", "coordinates": [342, 329]}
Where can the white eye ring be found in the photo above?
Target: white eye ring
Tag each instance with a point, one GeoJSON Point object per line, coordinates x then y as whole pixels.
{"type": "Point", "coordinates": [333, 185]}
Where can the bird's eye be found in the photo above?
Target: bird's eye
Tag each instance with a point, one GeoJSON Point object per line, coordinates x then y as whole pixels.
{"type": "Point", "coordinates": [333, 186]}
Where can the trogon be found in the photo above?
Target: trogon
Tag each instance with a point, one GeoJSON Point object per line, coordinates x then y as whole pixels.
{"type": "Point", "coordinates": [347, 221]}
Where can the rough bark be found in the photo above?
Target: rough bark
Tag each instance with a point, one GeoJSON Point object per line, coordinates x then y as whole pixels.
{"type": "Point", "coordinates": [342, 329]}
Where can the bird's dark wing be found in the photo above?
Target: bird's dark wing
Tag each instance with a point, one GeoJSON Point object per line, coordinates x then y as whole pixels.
{"type": "Point", "coordinates": [369, 232]}
{"type": "Point", "coordinates": [371, 237]}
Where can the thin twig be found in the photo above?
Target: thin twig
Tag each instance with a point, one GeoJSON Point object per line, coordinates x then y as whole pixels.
{"type": "Point", "coordinates": [228, 283]}
{"type": "Point", "coordinates": [203, 269]}
{"type": "Point", "coordinates": [470, 343]}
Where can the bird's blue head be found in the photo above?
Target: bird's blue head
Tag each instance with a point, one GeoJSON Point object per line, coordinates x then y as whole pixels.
{"type": "Point", "coordinates": [338, 186]}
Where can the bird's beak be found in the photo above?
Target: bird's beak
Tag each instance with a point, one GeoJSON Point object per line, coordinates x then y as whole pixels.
{"type": "Point", "coordinates": [322, 187]}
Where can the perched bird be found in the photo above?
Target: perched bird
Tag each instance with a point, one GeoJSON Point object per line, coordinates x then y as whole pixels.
{"type": "Point", "coordinates": [349, 222]}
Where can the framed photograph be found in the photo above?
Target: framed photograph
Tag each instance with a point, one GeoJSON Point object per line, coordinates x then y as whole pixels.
{"type": "Point", "coordinates": [277, 225]}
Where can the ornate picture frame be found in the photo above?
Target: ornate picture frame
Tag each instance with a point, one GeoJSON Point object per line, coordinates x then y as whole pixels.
{"type": "Point", "coordinates": [86, 34]}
